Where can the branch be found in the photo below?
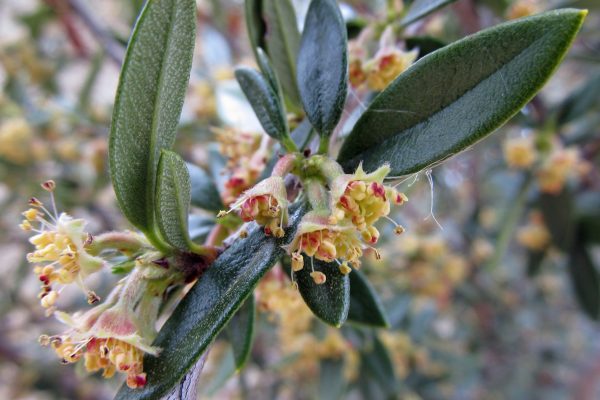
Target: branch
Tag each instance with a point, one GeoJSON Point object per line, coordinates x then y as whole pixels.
{"type": "Point", "coordinates": [112, 48]}
{"type": "Point", "coordinates": [188, 387]}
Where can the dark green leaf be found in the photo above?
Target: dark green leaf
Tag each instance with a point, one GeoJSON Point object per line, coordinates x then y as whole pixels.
{"type": "Point", "coordinates": [534, 262]}
{"type": "Point", "coordinates": [207, 307]}
{"type": "Point", "coordinates": [265, 66]}
{"type": "Point", "coordinates": [149, 98]}
{"type": "Point", "coordinates": [397, 310]}
{"type": "Point", "coordinates": [588, 217]}
{"type": "Point", "coordinates": [331, 379]}
{"type": "Point", "coordinates": [173, 200]}
{"type": "Point", "coordinates": [355, 26]}
{"type": "Point", "coordinates": [425, 44]}
{"type": "Point", "coordinates": [421, 8]}
{"type": "Point", "coordinates": [255, 24]}
{"type": "Point", "coordinates": [582, 100]}
{"type": "Point", "coordinates": [240, 332]}
{"type": "Point", "coordinates": [586, 281]}
{"type": "Point", "coordinates": [457, 95]}
{"type": "Point", "coordinates": [282, 40]}
{"type": "Point", "coordinates": [329, 301]}
{"type": "Point", "coordinates": [377, 367]}
{"type": "Point", "coordinates": [559, 215]}
{"type": "Point", "coordinates": [365, 306]}
{"type": "Point", "coordinates": [204, 191]}
{"type": "Point", "coordinates": [264, 101]}
{"type": "Point", "coordinates": [323, 65]}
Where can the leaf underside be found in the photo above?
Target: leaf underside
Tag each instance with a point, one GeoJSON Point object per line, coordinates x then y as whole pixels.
{"type": "Point", "coordinates": [173, 200]}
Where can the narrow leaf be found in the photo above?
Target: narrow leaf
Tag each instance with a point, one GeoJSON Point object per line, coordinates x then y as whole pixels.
{"type": "Point", "coordinates": [586, 281]}
{"type": "Point", "coordinates": [208, 306]}
{"type": "Point", "coordinates": [254, 23]}
{"type": "Point", "coordinates": [264, 101]}
{"type": "Point", "coordinates": [421, 8]}
{"type": "Point", "coordinates": [173, 200]}
{"type": "Point", "coordinates": [331, 379]}
{"type": "Point", "coordinates": [365, 306]}
{"type": "Point", "coordinates": [282, 40]}
{"type": "Point", "coordinates": [457, 95]}
{"type": "Point", "coordinates": [588, 217]}
{"type": "Point", "coordinates": [323, 65]}
{"type": "Point", "coordinates": [378, 369]}
{"type": "Point", "coordinates": [425, 44]}
{"type": "Point", "coordinates": [559, 214]}
{"type": "Point", "coordinates": [240, 332]}
{"type": "Point", "coordinates": [266, 68]}
{"type": "Point", "coordinates": [149, 99]}
{"type": "Point", "coordinates": [585, 98]}
{"type": "Point", "coordinates": [204, 192]}
{"type": "Point", "coordinates": [329, 301]}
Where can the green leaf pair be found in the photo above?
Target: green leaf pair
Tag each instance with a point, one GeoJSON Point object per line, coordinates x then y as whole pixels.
{"type": "Point", "coordinates": [152, 184]}
{"type": "Point", "coordinates": [312, 68]}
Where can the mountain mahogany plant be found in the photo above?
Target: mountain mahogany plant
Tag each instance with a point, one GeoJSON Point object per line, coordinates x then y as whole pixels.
{"type": "Point", "coordinates": [309, 196]}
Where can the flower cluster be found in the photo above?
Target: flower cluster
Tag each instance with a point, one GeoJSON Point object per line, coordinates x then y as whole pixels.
{"type": "Point", "coordinates": [430, 268]}
{"type": "Point", "coordinates": [266, 203]}
{"type": "Point", "coordinates": [534, 236]}
{"type": "Point", "coordinates": [552, 170]}
{"type": "Point", "coordinates": [246, 154]}
{"type": "Point", "coordinates": [60, 250]}
{"type": "Point", "coordinates": [520, 152]}
{"type": "Point", "coordinates": [114, 335]}
{"type": "Point", "coordinates": [18, 142]}
{"type": "Point", "coordinates": [341, 230]}
{"type": "Point", "coordinates": [107, 338]}
{"type": "Point", "coordinates": [384, 67]}
{"type": "Point", "coordinates": [345, 209]}
{"type": "Point", "coordinates": [293, 319]}
{"type": "Point", "coordinates": [562, 164]}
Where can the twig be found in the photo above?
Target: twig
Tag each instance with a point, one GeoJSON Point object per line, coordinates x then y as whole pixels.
{"type": "Point", "coordinates": [187, 389]}
{"type": "Point", "coordinates": [511, 219]}
{"type": "Point", "coordinates": [112, 48]}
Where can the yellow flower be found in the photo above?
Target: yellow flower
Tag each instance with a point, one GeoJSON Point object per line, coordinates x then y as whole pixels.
{"type": "Point", "coordinates": [388, 63]}
{"type": "Point", "coordinates": [562, 164]}
{"type": "Point", "coordinates": [60, 255]}
{"type": "Point", "coordinates": [534, 235]}
{"type": "Point", "coordinates": [266, 203]}
{"type": "Point", "coordinates": [362, 199]}
{"type": "Point", "coordinates": [519, 152]}
{"type": "Point", "coordinates": [523, 8]}
{"type": "Point", "coordinates": [317, 237]}
{"type": "Point", "coordinates": [16, 138]}
{"type": "Point", "coordinates": [108, 339]}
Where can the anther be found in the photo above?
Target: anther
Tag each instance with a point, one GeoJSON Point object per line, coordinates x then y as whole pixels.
{"type": "Point", "coordinates": [49, 185]}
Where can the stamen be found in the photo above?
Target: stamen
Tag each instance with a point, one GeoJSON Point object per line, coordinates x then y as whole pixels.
{"type": "Point", "coordinates": [431, 214]}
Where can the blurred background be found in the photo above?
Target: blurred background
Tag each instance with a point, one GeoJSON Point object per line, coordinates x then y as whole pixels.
{"type": "Point", "coordinates": [492, 292]}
